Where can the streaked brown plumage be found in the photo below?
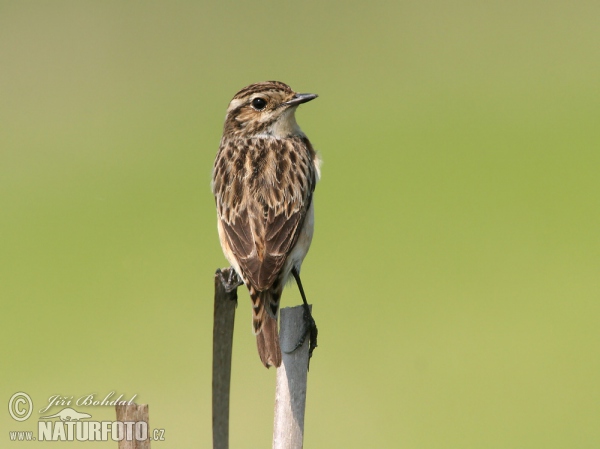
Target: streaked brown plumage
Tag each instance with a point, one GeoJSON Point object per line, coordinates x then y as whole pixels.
{"type": "Point", "coordinates": [263, 180]}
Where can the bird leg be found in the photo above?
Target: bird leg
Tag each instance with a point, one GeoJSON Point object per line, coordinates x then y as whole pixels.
{"type": "Point", "coordinates": [232, 282]}
{"type": "Point", "coordinates": [310, 327]}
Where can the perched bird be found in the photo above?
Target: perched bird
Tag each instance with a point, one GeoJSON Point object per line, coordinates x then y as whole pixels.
{"type": "Point", "coordinates": [263, 180]}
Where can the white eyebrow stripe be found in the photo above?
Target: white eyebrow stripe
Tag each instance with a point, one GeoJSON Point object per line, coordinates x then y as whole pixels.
{"type": "Point", "coordinates": [235, 104]}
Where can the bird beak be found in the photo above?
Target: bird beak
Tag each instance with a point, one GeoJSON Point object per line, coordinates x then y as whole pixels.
{"type": "Point", "coordinates": [300, 98]}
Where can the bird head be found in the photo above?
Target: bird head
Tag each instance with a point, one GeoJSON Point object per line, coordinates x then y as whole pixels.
{"type": "Point", "coordinates": [264, 109]}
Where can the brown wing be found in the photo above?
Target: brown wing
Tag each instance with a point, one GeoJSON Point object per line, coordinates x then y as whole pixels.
{"type": "Point", "coordinates": [263, 188]}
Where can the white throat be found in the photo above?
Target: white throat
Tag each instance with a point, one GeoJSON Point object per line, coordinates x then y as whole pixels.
{"type": "Point", "coordinates": [286, 125]}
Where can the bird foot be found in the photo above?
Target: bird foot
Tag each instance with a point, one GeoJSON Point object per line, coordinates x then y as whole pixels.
{"type": "Point", "coordinates": [310, 331]}
{"type": "Point", "coordinates": [232, 282]}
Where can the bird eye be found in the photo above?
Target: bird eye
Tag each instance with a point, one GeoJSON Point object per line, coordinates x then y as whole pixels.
{"type": "Point", "coordinates": [259, 104]}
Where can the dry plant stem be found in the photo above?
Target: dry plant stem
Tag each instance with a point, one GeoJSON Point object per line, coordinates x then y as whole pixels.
{"type": "Point", "coordinates": [133, 413]}
{"type": "Point", "coordinates": [290, 392]}
{"type": "Point", "coordinates": [224, 316]}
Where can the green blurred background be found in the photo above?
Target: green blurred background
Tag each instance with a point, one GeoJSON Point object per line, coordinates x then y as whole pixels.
{"type": "Point", "coordinates": [455, 267]}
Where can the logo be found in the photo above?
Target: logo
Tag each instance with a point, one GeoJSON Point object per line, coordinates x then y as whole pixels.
{"type": "Point", "coordinates": [69, 424]}
{"type": "Point", "coordinates": [68, 414]}
{"type": "Point", "coordinates": [15, 408]}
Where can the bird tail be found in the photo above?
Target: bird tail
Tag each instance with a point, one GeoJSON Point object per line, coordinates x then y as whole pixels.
{"type": "Point", "coordinates": [265, 306]}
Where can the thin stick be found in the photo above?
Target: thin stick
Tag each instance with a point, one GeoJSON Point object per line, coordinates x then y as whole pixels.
{"type": "Point", "coordinates": [290, 392]}
{"type": "Point", "coordinates": [133, 413]}
{"type": "Point", "coordinates": [225, 304]}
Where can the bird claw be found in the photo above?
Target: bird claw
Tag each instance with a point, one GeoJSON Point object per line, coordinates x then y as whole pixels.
{"type": "Point", "coordinates": [310, 331]}
{"type": "Point", "coordinates": [232, 282]}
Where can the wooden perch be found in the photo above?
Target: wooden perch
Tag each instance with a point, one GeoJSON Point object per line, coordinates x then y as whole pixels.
{"type": "Point", "coordinates": [290, 392]}
{"type": "Point", "coordinates": [133, 413]}
{"type": "Point", "coordinates": [225, 303]}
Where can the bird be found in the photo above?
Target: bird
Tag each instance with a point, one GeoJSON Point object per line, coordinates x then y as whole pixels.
{"type": "Point", "coordinates": [263, 180]}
